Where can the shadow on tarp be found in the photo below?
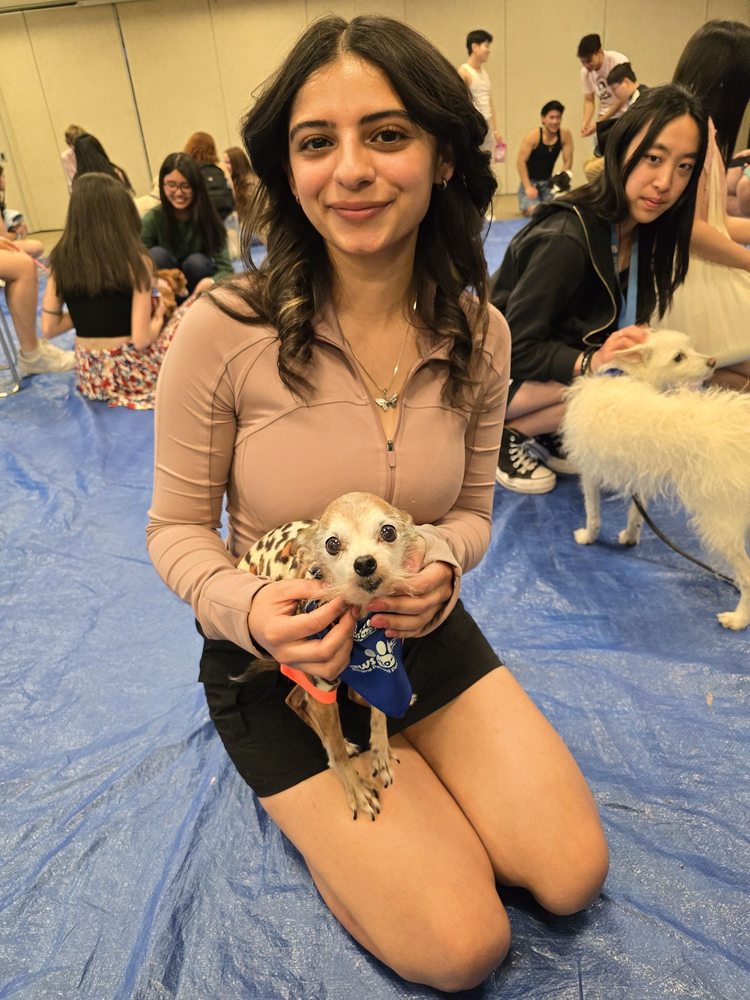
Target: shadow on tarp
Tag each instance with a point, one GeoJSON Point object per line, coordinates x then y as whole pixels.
{"type": "Point", "coordinates": [137, 864]}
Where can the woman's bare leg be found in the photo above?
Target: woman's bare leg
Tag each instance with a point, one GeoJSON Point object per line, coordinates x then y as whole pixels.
{"type": "Point", "coordinates": [18, 271]}
{"type": "Point", "coordinates": [537, 408]}
{"type": "Point", "coordinates": [521, 790]}
{"type": "Point", "coordinates": [415, 887]}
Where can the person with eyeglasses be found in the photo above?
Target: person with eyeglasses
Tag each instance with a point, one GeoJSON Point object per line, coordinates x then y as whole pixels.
{"type": "Point", "coordinates": [184, 231]}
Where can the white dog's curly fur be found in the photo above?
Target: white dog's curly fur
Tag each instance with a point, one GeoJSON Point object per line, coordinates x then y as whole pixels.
{"type": "Point", "coordinates": [650, 433]}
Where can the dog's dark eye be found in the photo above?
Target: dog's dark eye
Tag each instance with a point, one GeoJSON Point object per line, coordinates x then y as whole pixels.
{"type": "Point", "coordinates": [388, 533]}
{"type": "Point", "coordinates": [678, 357]}
{"type": "Point", "coordinates": [333, 546]}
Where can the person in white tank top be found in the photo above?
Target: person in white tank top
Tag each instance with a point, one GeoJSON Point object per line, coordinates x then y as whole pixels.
{"type": "Point", "coordinates": [477, 80]}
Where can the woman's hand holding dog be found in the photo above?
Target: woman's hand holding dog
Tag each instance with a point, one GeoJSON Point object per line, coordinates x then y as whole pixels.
{"type": "Point", "coordinates": [275, 626]}
{"type": "Point", "coordinates": [406, 616]}
{"type": "Point", "coordinates": [620, 340]}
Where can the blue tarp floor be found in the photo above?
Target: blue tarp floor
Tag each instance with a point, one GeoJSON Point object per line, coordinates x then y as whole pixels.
{"type": "Point", "coordinates": [136, 864]}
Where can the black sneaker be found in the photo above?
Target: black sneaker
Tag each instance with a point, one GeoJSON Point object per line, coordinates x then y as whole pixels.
{"type": "Point", "coordinates": [548, 448]}
{"type": "Point", "coordinates": [518, 469]}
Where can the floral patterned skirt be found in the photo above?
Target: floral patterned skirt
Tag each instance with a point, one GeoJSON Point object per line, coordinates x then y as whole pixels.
{"type": "Point", "coordinates": [125, 376]}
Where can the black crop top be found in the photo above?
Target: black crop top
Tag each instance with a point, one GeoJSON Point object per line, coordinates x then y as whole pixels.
{"type": "Point", "coordinates": [105, 315]}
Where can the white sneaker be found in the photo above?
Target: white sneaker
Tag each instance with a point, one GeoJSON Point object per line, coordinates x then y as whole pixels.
{"type": "Point", "coordinates": [46, 358]}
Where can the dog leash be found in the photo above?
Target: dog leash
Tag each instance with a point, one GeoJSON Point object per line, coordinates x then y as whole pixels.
{"type": "Point", "coordinates": [668, 541]}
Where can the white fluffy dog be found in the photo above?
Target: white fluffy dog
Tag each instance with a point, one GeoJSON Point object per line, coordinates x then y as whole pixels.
{"type": "Point", "coordinates": [648, 432]}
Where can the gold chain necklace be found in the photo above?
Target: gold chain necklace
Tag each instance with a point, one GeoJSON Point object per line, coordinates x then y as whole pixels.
{"type": "Point", "coordinates": [389, 400]}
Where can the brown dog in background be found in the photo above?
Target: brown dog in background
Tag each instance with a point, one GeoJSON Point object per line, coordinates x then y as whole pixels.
{"type": "Point", "coordinates": [172, 285]}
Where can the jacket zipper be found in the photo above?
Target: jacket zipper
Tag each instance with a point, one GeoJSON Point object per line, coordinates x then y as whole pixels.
{"type": "Point", "coordinates": [592, 333]}
{"type": "Point", "coordinates": [390, 443]}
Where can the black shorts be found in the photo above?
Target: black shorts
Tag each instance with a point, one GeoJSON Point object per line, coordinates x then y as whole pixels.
{"type": "Point", "coordinates": [270, 745]}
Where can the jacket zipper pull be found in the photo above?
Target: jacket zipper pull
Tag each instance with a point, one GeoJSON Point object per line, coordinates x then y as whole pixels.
{"type": "Point", "coordinates": [391, 454]}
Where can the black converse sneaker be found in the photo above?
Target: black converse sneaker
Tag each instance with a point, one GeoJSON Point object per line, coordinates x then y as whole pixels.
{"type": "Point", "coordinates": [518, 469]}
{"type": "Point", "coordinates": [548, 448]}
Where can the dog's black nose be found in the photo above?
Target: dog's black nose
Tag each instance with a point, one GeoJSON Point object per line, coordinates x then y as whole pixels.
{"type": "Point", "coordinates": [365, 565]}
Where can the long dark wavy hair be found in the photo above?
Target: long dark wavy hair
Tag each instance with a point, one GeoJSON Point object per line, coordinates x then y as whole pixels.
{"type": "Point", "coordinates": [204, 216]}
{"type": "Point", "coordinates": [100, 249]}
{"type": "Point", "coordinates": [296, 278]}
{"type": "Point", "coordinates": [715, 66]}
{"type": "Point", "coordinates": [91, 158]}
{"type": "Point", "coordinates": [665, 242]}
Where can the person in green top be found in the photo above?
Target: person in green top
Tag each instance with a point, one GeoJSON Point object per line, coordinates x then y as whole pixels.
{"type": "Point", "coordinates": [185, 231]}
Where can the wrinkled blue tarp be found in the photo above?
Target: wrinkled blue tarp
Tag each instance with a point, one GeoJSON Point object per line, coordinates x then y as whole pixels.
{"type": "Point", "coordinates": [135, 862]}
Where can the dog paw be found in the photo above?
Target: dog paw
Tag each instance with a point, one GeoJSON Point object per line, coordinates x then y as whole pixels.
{"type": "Point", "coordinates": [584, 537]}
{"type": "Point", "coordinates": [381, 765]}
{"type": "Point", "coordinates": [628, 537]}
{"type": "Point", "coordinates": [733, 620]}
{"type": "Point", "coordinates": [352, 750]}
{"type": "Point", "coordinates": [363, 797]}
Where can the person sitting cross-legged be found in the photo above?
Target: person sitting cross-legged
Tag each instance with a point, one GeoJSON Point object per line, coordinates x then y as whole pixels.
{"type": "Point", "coordinates": [589, 268]}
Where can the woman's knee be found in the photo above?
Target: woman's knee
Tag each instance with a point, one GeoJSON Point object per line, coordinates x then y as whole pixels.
{"type": "Point", "coordinates": [17, 266]}
{"type": "Point", "coordinates": [196, 267]}
{"type": "Point", "coordinates": [576, 882]}
{"type": "Point", "coordinates": [162, 258]}
{"type": "Point", "coordinates": [459, 954]}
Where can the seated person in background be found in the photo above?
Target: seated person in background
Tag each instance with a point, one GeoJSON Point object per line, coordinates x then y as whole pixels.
{"type": "Point", "coordinates": [243, 177]}
{"type": "Point", "coordinates": [538, 154]}
{"type": "Point", "coordinates": [185, 231]}
{"type": "Point", "coordinates": [591, 265]}
{"type": "Point", "coordinates": [91, 158]}
{"type": "Point", "coordinates": [738, 185]}
{"type": "Point", "coordinates": [625, 86]}
{"type": "Point", "coordinates": [101, 271]}
{"type": "Point", "coordinates": [13, 227]}
{"type": "Point", "coordinates": [245, 183]}
{"type": "Point", "coordinates": [19, 272]}
{"type": "Point", "coordinates": [202, 148]}
{"type": "Point", "coordinates": [68, 156]}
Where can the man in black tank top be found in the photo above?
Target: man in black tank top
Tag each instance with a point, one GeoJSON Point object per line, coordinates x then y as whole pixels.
{"type": "Point", "coordinates": [538, 154]}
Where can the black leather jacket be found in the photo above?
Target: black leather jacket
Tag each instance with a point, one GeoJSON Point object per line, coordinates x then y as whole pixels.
{"type": "Point", "coordinates": [558, 290]}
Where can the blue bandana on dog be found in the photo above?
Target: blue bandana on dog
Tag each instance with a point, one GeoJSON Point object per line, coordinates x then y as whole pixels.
{"type": "Point", "coordinates": [377, 669]}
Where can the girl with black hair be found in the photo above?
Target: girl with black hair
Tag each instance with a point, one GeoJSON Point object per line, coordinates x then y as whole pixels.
{"type": "Point", "coordinates": [590, 267]}
{"type": "Point", "coordinates": [90, 158]}
{"type": "Point", "coordinates": [185, 231]}
{"type": "Point", "coordinates": [353, 358]}
{"type": "Point", "coordinates": [713, 305]}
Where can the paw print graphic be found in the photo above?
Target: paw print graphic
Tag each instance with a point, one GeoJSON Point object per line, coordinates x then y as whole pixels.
{"type": "Point", "coordinates": [383, 654]}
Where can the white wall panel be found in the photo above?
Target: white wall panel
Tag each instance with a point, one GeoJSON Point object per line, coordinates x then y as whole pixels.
{"type": "Point", "coordinates": [34, 147]}
{"type": "Point", "coordinates": [251, 40]}
{"type": "Point", "coordinates": [175, 69]}
{"type": "Point", "coordinates": [78, 54]}
{"type": "Point", "coordinates": [728, 10]}
{"type": "Point", "coordinates": [651, 34]}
